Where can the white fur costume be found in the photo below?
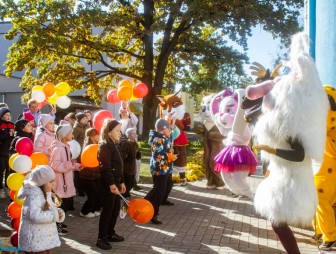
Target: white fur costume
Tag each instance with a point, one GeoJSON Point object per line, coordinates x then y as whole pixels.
{"type": "Point", "coordinates": [296, 107]}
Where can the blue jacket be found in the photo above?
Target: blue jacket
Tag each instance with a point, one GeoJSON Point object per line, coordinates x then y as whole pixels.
{"type": "Point", "coordinates": [162, 149]}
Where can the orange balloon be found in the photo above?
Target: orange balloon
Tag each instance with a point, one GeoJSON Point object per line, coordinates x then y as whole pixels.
{"type": "Point", "coordinates": [39, 158]}
{"type": "Point", "coordinates": [140, 210]}
{"type": "Point", "coordinates": [124, 93]}
{"type": "Point", "coordinates": [14, 210]}
{"type": "Point", "coordinates": [126, 83]}
{"type": "Point", "coordinates": [48, 89]}
{"type": "Point", "coordinates": [89, 156]}
{"type": "Point", "coordinates": [11, 194]}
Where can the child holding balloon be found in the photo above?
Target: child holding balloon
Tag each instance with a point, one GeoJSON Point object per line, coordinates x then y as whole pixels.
{"type": "Point", "coordinates": [45, 134]}
{"type": "Point", "coordinates": [38, 232]}
{"type": "Point", "coordinates": [22, 128]}
{"type": "Point", "coordinates": [111, 182]}
{"type": "Point", "coordinates": [63, 165]}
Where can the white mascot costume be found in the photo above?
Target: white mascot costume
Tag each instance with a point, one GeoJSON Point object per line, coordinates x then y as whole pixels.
{"type": "Point", "coordinates": [291, 133]}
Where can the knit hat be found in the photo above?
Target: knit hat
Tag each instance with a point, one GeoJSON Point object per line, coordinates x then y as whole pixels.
{"type": "Point", "coordinates": [3, 111]}
{"type": "Point", "coordinates": [63, 130]}
{"type": "Point", "coordinates": [20, 124]}
{"type": "Point", "coordinates": [80, 116]}
{"type": "Point", "coordinates": [129, 132]}
{"type": "Point", "coordinates": [161, 124]}
{"type": "Point", "coordinates": [44, 119]}
{"type": "Point", "coordinates": [28, 116]}
{"type": "Point", "coordinates": [41, 175]}
{"type": "Point", "coordinates": [112, 124]}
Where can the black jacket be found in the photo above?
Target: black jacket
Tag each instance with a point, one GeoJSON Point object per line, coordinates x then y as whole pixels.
{"type": "Point", "coordinates": [110, 164]}
{"type": "Point", "coordinates": [5, 137]}
{"type": "Point", "coordinates": [17, 136]}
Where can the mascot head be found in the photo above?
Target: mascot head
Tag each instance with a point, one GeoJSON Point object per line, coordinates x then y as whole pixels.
{"type": "Point", "coordinates": [171, 106]}
{"type": "Point", "coordinates": [205, 104]}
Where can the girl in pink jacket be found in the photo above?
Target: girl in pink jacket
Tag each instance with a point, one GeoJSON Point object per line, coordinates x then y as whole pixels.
{"type": "Point", "coordinates": [63, 165]}
{"type": "Point", "coordinates": [45, 134]}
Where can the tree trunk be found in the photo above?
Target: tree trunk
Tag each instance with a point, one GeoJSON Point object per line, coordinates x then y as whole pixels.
{"type": "Point", "coordinates": [149, 101]}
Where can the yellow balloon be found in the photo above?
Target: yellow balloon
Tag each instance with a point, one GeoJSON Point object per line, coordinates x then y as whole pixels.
{"type": "Point", "coordinates": [52, 99]}
{"type": "Point", "coordinates": [36, 88]}
{"type": "Point", "coordinates": [11, 159]}
{"type": "Point", "coordinates": [14, 181]}
{"type": "Point", "coordinates": [17, 200]}
{"type": "Point", "coordinates": [62, 89]}
{"type": "Point", "coordinates": [134, 98]}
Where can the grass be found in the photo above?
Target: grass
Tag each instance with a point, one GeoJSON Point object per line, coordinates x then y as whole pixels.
{"type": "Point", "coordinates": [145, 175]}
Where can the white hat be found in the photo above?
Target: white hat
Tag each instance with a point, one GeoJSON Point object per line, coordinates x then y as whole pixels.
{"type": "Point", "coordinates": [41, 175]}
{"type": "Point", "coordinates": [44, 119]}
{"type": "Point", "coordinates": [129, 132]}
{"type": "Point", "coordinates": [63, 130]}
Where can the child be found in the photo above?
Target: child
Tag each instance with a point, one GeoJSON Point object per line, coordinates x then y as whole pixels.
{"type": "Point", "coordinates": [29, 117]}
{"type": "Point", "coordinates": [22, 128]}
{"type": "Point", "coordinates": [38, 232]}
{"type": "Point", "coordinates": [45, 134]}
{"type": "Point", "coordinates": [161, 164]}
{"type": "Point", "coordinates": [89, 180]}
{"type": "Point", "coordinates": [130, 150]}
{"type": "Point", "coordinates": [6, 137]}
{"type": "Point", "coordinates": [111, 182]}
{"type": "Point", "coordinates": [63, 165]}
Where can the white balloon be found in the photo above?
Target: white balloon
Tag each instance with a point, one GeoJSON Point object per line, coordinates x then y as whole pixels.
{"type": "Point", "coordinates": [22, 164]}
{"type": "Point", "coordinates": [38, 95]}
{"type": "Point", "coordinates": [75, 149]}
{"type": "Point", "coordinates": [63, 101]}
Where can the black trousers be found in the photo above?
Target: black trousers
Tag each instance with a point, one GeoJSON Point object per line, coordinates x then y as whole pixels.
{"type": "Point", "coordinates": [67, 203]}
{"type": "Point", "coordinates": [129, 183]}
{"type": "Point", "coordinates": [169, 187]}
{"type": "Point", "coordinates": [109, 214]}
{"type": "Point", "coordinates": [4, 168]}
{"type": "Point", "coordinates": [78, 184]}
{"type": "Point", "coordinates": [156, 195]}
{"type": "Point", "coordinates": [92, 191]}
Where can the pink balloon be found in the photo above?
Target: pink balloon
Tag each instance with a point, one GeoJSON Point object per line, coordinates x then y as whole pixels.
{"type": "Point", "coordinates": [15, 239]}
{"type": "Point", "coordinates": [24, 146]}
{"type": "Point", "coordinates": [113, 97]}
{"type": "Point", "coordinates": [140, 90]}
{"type": "Point", "coordinates": [100, 117]}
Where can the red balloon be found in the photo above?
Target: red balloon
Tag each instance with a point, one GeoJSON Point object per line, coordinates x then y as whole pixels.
{"type": "Point", "coordinates": [14, 210]}
{"type": "Point", "coordinates": [140, 90]}
{"type": "Point", "coordinates": [100, 117]}
{"type": "Point", "coordinates": [113, 97]}
{"type": "Point", "coordinates": [140, 210]}
{"type": "Point", "coordinates": [42, 104]}
{"type": "Point", "coordinates": [11, 194]}
{"type": "Point", "coordinates": [15, 222]}
{"type": "Point", "coordinates": [15, 239]}
{"type": "Point", "coordinates": [24, 146]}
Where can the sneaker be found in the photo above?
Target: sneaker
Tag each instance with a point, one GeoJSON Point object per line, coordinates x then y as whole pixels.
{"type": "Point", "coordinates": [89, 215]}
{"type": "Point", "coordinates": [103, 244]}
{"type": "Point", "coordinates": [61, 231]}
{"type": "Point", "coordinates": [168, 203]}
{"type": "Point", "coordinates": [156, 221]}
{"type": "Point", "coordinates": [96, 213]}
{"type": "Point", "coordinates": [115, 238]}
{"type": "Point", "coordinates": [184, 182]}
{"type": "Point", "coordinates": [327, 245]}
{"type": "Point", "coordinates": [243, 197]}
{"type": "Point", "coordinates": [220, 187]}
{"type": "Point", "coordinates": [63, 225]}
{"type": "Point", "coordinates": [316, 237]}
{"type": "Point", "coordinates": [2, 193]}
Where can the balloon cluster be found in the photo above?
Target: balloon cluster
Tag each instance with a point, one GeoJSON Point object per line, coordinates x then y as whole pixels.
{"type": "Point", "coordinates": [22, 163]}
{"type": "Point", "coordinates": [49, 93]}
{"type": "Point", "coordinates": [126, 91]}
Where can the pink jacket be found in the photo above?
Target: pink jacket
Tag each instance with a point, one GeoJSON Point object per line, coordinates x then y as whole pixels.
{"type": "Point", "coordinates": [43, 141]}
{"type": "Point", "coordinates": [60, 161]}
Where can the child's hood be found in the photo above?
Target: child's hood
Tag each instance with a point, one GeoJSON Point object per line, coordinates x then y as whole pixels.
{"type": "Point", "coordinates": [28, 189]}
{"type": "Point", "coordinates": [154, 134]}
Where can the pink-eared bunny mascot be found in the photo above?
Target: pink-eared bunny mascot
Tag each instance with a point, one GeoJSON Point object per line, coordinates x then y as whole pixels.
{"type": "Point", "coordinates": [291, 134]}
{"type": "Point", "coordinates": [236, 160]}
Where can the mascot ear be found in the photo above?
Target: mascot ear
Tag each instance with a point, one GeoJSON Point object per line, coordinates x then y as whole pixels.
{"type": "Point", "coordinates": [161, 98]}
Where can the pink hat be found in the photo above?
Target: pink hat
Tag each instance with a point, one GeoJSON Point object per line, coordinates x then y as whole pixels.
{"type": "Point", "coordinates": [28, 116]}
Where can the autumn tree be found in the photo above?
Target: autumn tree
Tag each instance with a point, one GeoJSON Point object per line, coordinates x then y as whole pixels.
{"type": "Point", "coordinates": [92, 44]}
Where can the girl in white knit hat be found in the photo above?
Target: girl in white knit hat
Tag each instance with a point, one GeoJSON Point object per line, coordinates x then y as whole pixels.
{"type": "Point", "coordinates": [38, 232]}
{"type": "Point", "coordinates": [45, 134]}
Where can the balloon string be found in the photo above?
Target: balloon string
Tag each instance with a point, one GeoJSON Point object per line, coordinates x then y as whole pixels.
{"type": "Point", "coordinates": [125, 200]}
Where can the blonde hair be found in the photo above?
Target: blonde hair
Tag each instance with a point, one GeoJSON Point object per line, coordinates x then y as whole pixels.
{"type": "Point", "coordinates": [57, 200]}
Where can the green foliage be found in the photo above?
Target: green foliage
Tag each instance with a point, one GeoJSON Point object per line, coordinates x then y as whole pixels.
{"type": "Point", "coordinates": [196, 144]}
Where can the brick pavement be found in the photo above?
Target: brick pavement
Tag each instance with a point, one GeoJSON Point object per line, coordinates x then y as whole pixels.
{"type": "Point", "coordinates": [202, 221]}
